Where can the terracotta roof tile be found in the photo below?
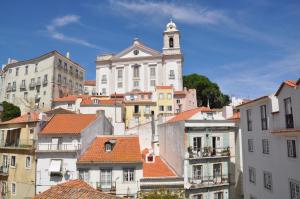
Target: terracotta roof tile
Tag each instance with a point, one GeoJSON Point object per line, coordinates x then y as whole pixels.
{"type": "Point", "coordinates": [188, 114]}
{"type": "Point", "coordinates": [164, 87]}
{"type": "Point", "coordinates": [90, 82]}
{"type": "Point", "coordinates": [158, 168]}
{"type": "Point", "coordinates": [290, 83]}
{"type": "Point", "coordinates": [89, 101]}
{"type": "Point", "coordinates": [125, 150]}
{"type": "Point", "coordinates": [75, 189]}
{"type": "Point", "coordinates": [235, 116]}
{"type": "Point", "coordinates": [68, 123]}
{"type": "Point", "coordinates": [34, 117]}
{"type": "Point", "coordinates": [70, 98]}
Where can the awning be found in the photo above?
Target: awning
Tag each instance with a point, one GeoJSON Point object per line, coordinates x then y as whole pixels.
{"type": "Point", "coordinates": [55, 166]}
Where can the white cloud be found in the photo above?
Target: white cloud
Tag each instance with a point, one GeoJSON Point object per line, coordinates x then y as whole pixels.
{"type": "Point", "coordinates": [60, 22]}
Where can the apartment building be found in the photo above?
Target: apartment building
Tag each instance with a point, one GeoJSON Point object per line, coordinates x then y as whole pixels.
{"type": "Point", "coordinates": [89, 87]}
{"type": "Point", "coordinates": [112, 164]}
{"type": "Point", "coordinates": [17, 160]}
{"type": "Point", "coordinates": [61, 142]}
{"type": "Point", "coordinates": [165, 100]}
{"type": "Point", "coordinates": [198, 145]}
{"type": "Point", "coordinates": [139, 67]}
{"type": "Point", "coordinates": [270, 128]}
{"type": "Point", "coordinates": [32, 84]}
{"type": "Point", "coordinates": [185, 100]}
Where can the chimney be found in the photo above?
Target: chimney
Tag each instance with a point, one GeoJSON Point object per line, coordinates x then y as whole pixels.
{"type": "Point", "coordinates": [68, 55]}
{"type": "Point", "coordinates": [28, 116]}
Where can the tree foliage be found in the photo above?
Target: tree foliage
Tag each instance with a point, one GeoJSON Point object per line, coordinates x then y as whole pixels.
{"type": "Point", "coordinates": [162, 194]}
{"type": "Point", "coordinates": [10, 111]}
{"type": "Point", "coordinates": [206, 90]}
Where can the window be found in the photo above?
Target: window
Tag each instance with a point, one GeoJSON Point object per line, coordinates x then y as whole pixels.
{"type": "Point", "coordinates": [171, 42]}
{"type": "Point", "coordinates": [294, 189]}
{"type": "Point", "coordinates": [23, 84]}
{"type": "Point", "coordinates": [152, 72]}
{"type": "Point", "coordinates": [103, 91]}
{"type": "Point", "coordinates": [108, 147]}
{"type": "Point", "coordinates": [128, 175]}
{"type": "Point", "coordinates": [152, 82]}
{"type": "Point", "coordinates": [198, 196]}
{"type": "Point", "coordinates": [120, 84]}
{"type": "Point", "coordinates": [268, 180]}
{"type": "Point", "coordinates": [95, 101]}
{"type": "Point", "coordinates": [36, 68]}
{"type": "Point", "coordinates": [288, 113]}
{"type": "Point", "coordinates": [65, 66]}
{"type": "Point", "coordinates": [161, 96]}
{"type": "Point", "coordinates": [120, 73]}
{"type": "Point", "coordinates": [217, 170]}
{"type": "Point", "coordinates": [84, 175]}
{"type": "Point", "coordinates": [69, 105]}
{"type": "Point", "coordinates": [172, 74]}
{"type": "Point", "coordinates": [65, 80]}
{"type": "Point", "coordinates": [169, 108]}
{"type": "Point", "coordinates": [263, 115]}
{"type": "Point", "coordinates": [249, 120]}
{"type": "Point", "coordinates": [26, 70]}
{"type": "Point", "coordinates": [13, 161]}
{"type": "Point", "coordinates": [197, 172]}
{"type": "Point", "coordinates": [59, 78]}
{"type": "Point", "coordinates": [169, 96]}
{"type": "Point", "coordinates": [104, 79]}
{"type": "Point", "coordinates": [59, 62]}
{"type": "Point", "coordinates": [250, 145]}
{"type": "Point", "coordinates": [252, 175]}
{"type": "Point", "coordinates": [265, 146]}
{"type": "Point", "coordinates": [136, 71]}
{"type": "Point", "coordinates": [14, 85]}
{"type": "Point", "coordinates": [197, 144]}
{"type": "Point", "coordinates": [71, 84]}
{"type": "Point", "coordinates": [218, 195]}
{"type": "Point", "coordinates": [178, 101]}
{"type": "Point", "coordinates": [9, 71]}
{"type": "Point", "coordinates": [147, 109]}
{"type": "Point", "coordinates": [136, 109]}
{"type": "Point", "coordinates": [136, 84]}
{"type": "Point", "coordinates": [28, 162]}
{"type": "Point", "coordinates": [25, 95]}
{"type": "Point", "coordinates": [161, 108]}
{"type": "Point", "coordinates": [291, 148]}
{"type": "Point", "coordinates": [13, 188]}
{"type": "Point", "coordinates": [105, 178]}
{"type": "Point", "coordinates": [17, 71]}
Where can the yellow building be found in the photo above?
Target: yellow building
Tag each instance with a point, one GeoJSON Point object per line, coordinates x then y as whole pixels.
{"type": "Point", "coordinates": [138, 108]}
{"type": "Point", "coordinates": [165, 104]}
{"type": "Point", "coordinates": [17, 156]}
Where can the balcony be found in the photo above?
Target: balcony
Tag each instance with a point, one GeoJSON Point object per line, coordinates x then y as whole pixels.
{"type": "Point", "coordinates": [106, 187]}
{"type": "Point", "coordinates": [3, 170]}
{"type": "Point", "coordinates": [104, 81]}
{"type": "Point", "coordinates": [48, 147]}
{"type": "Point", "coordinates": [45, 82]}
{"type": "Point", "coordinates": [209, 152]}
{"type": "Point", "coordinates": [171, 76]}
{"type": "Point", "coordinates": [17, 144]}
{"type": "Point", "coordinates": [8, 88]}
{"type": "Point", "coordinates": [14, 88]}
{"type": "Point", "coordinates": [137, 113]}
{"type": "Point", "coordinates": [22, 87]}
{"type": "Point", "coordinates": [38, 83]}
{"type": "Point", "coordinates": [209, 181]}
{"type": "Point", "coordinates": [71, 72]}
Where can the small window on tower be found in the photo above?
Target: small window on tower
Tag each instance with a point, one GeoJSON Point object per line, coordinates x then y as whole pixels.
{"type": "Point", "coordinates": [171, 42]}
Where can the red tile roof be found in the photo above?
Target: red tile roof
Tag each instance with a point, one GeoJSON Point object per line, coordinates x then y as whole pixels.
{"type": "Point", "coordinates": [125, 150]}
{"type": "Point", "coordinates": [68, 123]}
{"type": "Point", "coordinates": [188, 114]}
{"type": "Point", "coordinates": [158, 168]}
{"type": "Point", "coordinates": [90, 82]}
{"type": "Point", "coordinates": [290, 83]}
{"type": "Point", "coordinates": [70, 98]}
{"type": "Point", "coordinates": [164, 87]}
{"type": "Point", "coordinates": [179, 93]}
{"type": "Point", "coordinates": [89, 101]}
{"type": "Point", "coordinates": [235, 116]}
{"type": "Point", "coordinates": [34, 117]}
{"type": "Point", "coordinates": [75, 189]}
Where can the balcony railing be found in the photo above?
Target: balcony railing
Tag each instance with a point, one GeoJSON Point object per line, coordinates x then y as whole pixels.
{"type": "Point", "coordinates": [104, 81]}
{"type": "Point", "coordinates": [32, 84]}
{"type": "Point", "coordinates": [45, 82]}
{"type": "Point", "coordinates": [14, 88]}
{"type": "Point", "coordinates": [207, 152]}
{"type": "Point", "coordinates": [4, 170]}
{"type": "Point", "coordinates": [38, 83]}
{"type": "Point", "coordinates": [106, 186]}
{"type": "Point", "coordinates": [171, 76]}
{"type": "Point", "coordinates": [22, 87]}
{"type": "Point", "coordinates": [8, 88]}
{"type": "Point", "coordinates": [21, 144]}
{"type": "Point", "coordinates": [58, 147]}
{"type": "Point", "coordinates": [206, 181]}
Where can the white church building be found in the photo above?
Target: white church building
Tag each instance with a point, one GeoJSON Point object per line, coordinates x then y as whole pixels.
{"type": "Point", "coordinates": [139, 67]}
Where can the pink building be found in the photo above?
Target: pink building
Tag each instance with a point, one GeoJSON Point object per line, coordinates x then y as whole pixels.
{"type": "Point", "coordinates": [185, 100]}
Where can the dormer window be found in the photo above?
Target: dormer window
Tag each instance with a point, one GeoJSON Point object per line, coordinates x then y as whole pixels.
{"type": "Point", "coordinates": [171, 42]}
{"type": "Point", "coordinates": [108, 147]}
{"type": "Point", "coordinates": [150, 158]}
{"type": "Point", "coordinates": [96, 101]}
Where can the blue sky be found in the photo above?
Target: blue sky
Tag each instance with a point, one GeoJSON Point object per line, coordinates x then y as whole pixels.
{"type": "Point", "coordinates": [248, 47]}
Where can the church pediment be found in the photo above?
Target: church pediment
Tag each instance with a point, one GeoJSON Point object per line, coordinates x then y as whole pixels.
{"type": "Point", "coordinates": [138, 50]}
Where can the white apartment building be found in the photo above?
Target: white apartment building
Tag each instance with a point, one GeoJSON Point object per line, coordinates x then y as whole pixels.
{"type": "Point", "coordinates": [270, 128]}
{"type": "Point", "coordinates": [139, 67]}
{"type": "Point", "coordinates": [32, 84]}
{"type": "Point", "coordinates": [199, 146]}
{"type": "Point", "coordinates": [113, 164]}
{"type": "Point", "coordinates": [61, 142]}
{"type": "Point", "coordinates": [89, 87]}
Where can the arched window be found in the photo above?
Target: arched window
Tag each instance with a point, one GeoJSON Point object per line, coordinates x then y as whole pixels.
{"type": "Point", "coordinates": [171, 42]}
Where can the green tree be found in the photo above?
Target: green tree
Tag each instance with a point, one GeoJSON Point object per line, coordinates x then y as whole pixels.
{"type": "Point", "coordinates": [10, 111]}
{"type": "Point", "coordinates": [162, 194]}
{"type": "Point", "coordinates": [206, 90]}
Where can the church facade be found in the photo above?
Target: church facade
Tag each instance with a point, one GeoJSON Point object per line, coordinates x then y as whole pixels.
{"type": "Point", "coordinates": [140, 68]}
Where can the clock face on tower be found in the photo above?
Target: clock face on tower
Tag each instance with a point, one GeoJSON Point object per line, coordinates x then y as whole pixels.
{"type": "Point", "coordinates": [136, 52]}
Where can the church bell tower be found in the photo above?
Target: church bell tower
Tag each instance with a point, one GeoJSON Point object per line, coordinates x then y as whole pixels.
{"type": "Point", "coordinates": [171, 38]}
